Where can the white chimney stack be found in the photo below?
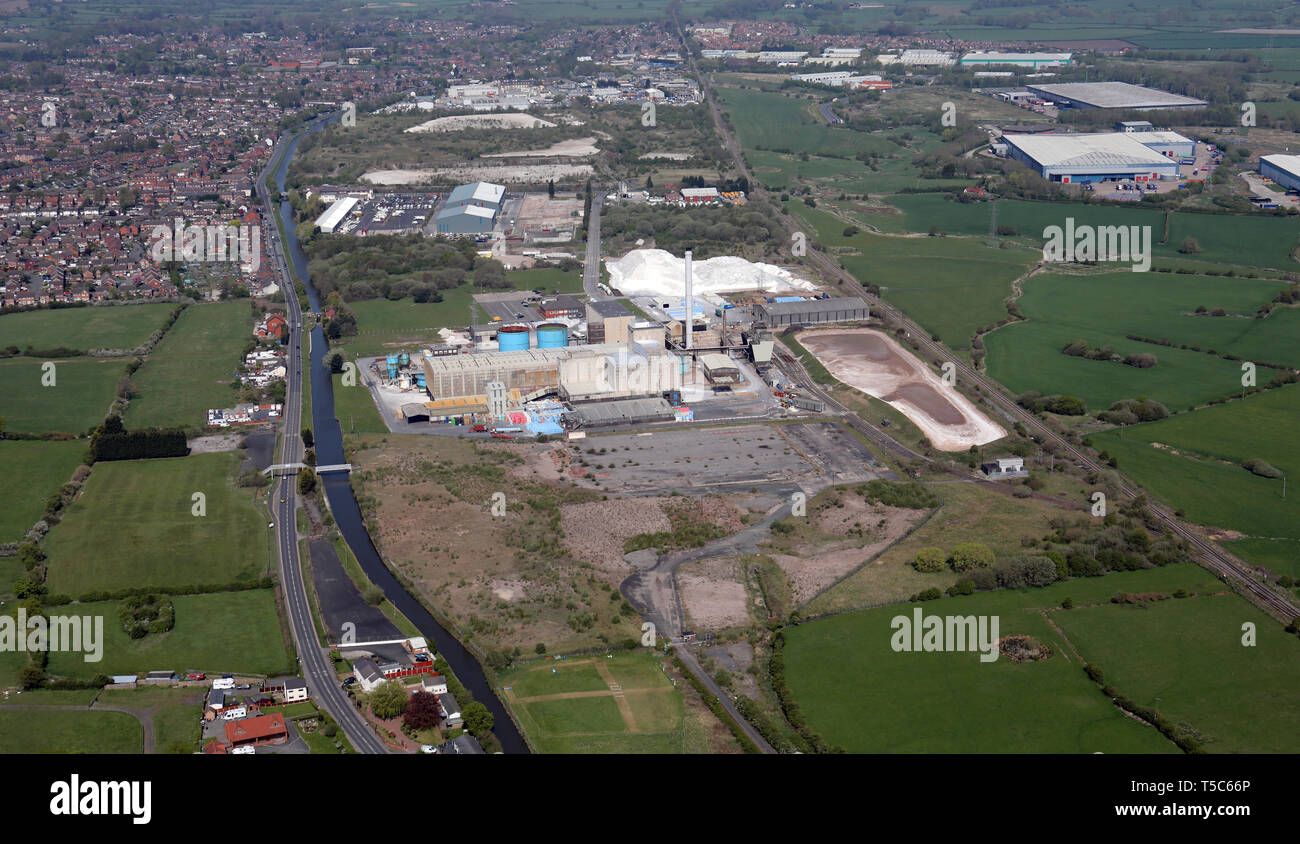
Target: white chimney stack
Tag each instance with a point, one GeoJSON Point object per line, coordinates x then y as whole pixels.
{"type": "Point", "coordinates": [689, 318]}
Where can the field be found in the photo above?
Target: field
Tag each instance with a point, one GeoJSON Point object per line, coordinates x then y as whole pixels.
{"type": "Point", "coordinates": [133, 525]}
{"type": "Point", "coordinates": [83, 328]}
{"type": "Point", "coordinates": [1186, 658]}
{"type": "Point", "coordinates": [173, 710]}
{"type": "Point", "coordinates": [1103, 308]}
{"type": "Point", "coordinates": [192, 369]}
{"type": "Point", "coordinates": [218, 632]}
{"type": "Point", "coordinates": [83, 389]}
{"type": "Point", "coordinates": [1244, 240]}
{"type": "Point", "coordinates": [1198, 471]}
{"type": "Point", "coordinates": [771, 121]}
{"type": "Point", "coordinates": [967, 514]}
{"type": "Point", "coordinates": [576, 709]}
{"type": "Point", "coordinates": [64, 731]}
{"type": "Point", "coordinates": [33, 472]}
{"type": "Point", "coordinates": [843, 667]}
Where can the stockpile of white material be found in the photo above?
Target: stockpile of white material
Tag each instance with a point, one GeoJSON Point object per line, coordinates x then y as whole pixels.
{"type": "Point", "coordinates": [656, 272]}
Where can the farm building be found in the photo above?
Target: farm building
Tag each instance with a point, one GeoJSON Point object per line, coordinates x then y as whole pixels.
{"type": "Point", "coordinates": [1113, 95]}
{"type": "Point", "coordinates": [1282, 169]}
{"type": "Point", "coordinates": [777, 314]}
{"type": "Point", "coordinates": [471, 209]}
{"type": "Point", "coordinates": [1098, 157]}
{"type": "Point", "coordinates": [992, 59]}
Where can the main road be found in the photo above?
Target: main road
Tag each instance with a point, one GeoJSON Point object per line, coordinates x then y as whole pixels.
{"type": "Point", "coordinates": [317, 669]}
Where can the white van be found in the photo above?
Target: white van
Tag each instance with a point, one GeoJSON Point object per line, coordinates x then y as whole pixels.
{"type": "Point", "coordinates": [224, 683]}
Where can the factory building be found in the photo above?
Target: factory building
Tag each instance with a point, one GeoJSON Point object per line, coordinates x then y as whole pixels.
{"type": "Point", "coordinates": [1033, 60]}
{"type": "Point", "coordinates": [780, 314]}
{"type": "Point", "coordinates": [471, 209]}
{"type": "Point", "coordinates": [1284, 170]}
{"type": "Point", "coordinates": [608, 322]}
{"type": "Point", "coordinates": [1101, 156]}
{"type": "Point", "coordinates": [335, 214]}
{"type": "Point", "coordinates": [719, 369]}
{"type": "Point", "coordinates": [601, 371]}
{"type": "Point", "coordinates": [1112, 95]}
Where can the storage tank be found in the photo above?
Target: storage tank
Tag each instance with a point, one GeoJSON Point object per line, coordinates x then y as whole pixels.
{"type": "Point", "coordinates": [513, 338]}
{"type": "Point", "coordinates": [552, 335]}
{"type": "Point", "coordinates": [404, 359]}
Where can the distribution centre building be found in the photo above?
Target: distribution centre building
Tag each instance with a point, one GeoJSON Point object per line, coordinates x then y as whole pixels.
{"type": "Point", "coordinates": [1100, 156]}
{"type": "Point", "coordinates": [471, 209]}
{"type": "Point", "coordinates": [1284, 170]}
{"type": "Point", "coordinates": [335, 214]}
{"type": "Point", "coordinates": [1112, 95]}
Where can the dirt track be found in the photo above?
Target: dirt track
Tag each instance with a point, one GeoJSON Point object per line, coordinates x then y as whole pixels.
{"type": "Point", "coordinates": [876, 364]}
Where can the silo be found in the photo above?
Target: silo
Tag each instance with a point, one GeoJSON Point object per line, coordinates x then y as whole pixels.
{"type": "Point", "coordinates": [552, 335]}
{"type": "Point", "coordinates": [513, 338]}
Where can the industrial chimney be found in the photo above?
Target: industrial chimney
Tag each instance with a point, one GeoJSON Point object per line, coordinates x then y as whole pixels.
{"type": "Point", "coordinates": [689, 318]}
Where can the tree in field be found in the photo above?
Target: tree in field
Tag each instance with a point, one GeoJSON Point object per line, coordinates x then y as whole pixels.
{"type": "Point", "coordinates": [389, 700]}
{"type": "Point", "coordinates": [477, 718]}
{"type": "Point", "coordinates": [1189, 246]}
{"type": "Point", "coordinates": [970, 555]}
{"type": "Point", "coordinates": [421, 711]}
{"type": "Point", "coordinates": [336, 363]}
{"type": "Point", "coordinates": [308, 438]}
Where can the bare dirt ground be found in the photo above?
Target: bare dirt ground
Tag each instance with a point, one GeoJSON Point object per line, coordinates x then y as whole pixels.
{"type": "Point", "coordinates": [876, 364]}
{"type": "Point", "coordinates": [712, 595]}
{"type": "Point", "coordinates": [595, 532]}
{"type": "Point", "coordinates": [459, 122]}
{"type": "Point", "coordinates": [215, 442]}
{"type": "Point", "coordinates": [540, 210]}
{"type": "Point", "coordinates": [479, 172]}
{"type": "Point", "coordinates": [574, 146]}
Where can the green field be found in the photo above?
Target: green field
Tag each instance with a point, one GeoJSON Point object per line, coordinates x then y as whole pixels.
{"type": "Point", "coordinates": [123, 327]}
{"type": "Point", "coordinates": [1186, 658]}
{"type": "Point", "coordinates": [193, 368]}
{"type": "Point", "coordinates": [215, 633]}
{"type": "Point", "coordinates": [77, 401]}
{"type": "Point", "coordinates": [772, 121]}
{"type": "Point", "coordinates": [63, 731]}
{"type": "Point", "coordinates": [860, 694]}
{"type": "Point", "coordinates": [1103, 308]}
{"type": "Point", "coordinates": [1245, 240]}
{"type": "Point", "coordinates": [1204, 478]}
{"type": "Point", "coordinates": [133, 525]}
{"type": "Point", "coordinates": [174, 711]}
{"type": "Point", "coordinates": [595, 724]}
{"type": "Point", "coordinates": [355, 409]}
{"type": "Point", "coordinates": [34, 470]}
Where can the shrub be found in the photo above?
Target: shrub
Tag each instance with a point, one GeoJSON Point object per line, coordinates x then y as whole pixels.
{"type": "Point", "coordinates": [929, 560]}
{"type": "Point", "coordinates": [970, 555]}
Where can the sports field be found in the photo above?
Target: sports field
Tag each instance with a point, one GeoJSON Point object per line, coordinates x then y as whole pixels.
{"type": "Point", "coordinates": [860, 694]}
{"type": "Point", "coordinates": [69, 731]}
{"type": "Point", "coordinates": [1103, 309]}
{"type": "Point", "coordinates": [1193, 462]}
{"type": "Point", "coordinates": [75, 402]}
{"type": "Point", "coordinates": [134, 525]}
{"type": "Point", "coordinates": [619, 704]}
{"type": "Point", "coordinates": [193, 368]}
{"type": "Point", "coordinates": [1186, 658]}
{"type": "Point", "coordinates": [218, 632]}
{"type": "Point", "coordinates": [124, 327]}
{"type": "Point", "coordinates": [34, 470]}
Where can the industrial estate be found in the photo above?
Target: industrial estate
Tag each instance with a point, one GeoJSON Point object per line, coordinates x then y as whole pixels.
{"type": "Point", "coordinates": [693, 378]}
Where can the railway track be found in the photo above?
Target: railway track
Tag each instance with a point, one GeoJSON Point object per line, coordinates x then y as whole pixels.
{"type": "Point", "coordinates": [1211, 556]}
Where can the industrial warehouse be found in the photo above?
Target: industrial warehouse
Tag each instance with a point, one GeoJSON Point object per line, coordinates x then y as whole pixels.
{"type": "Point", "coordinates": [590, 364]}
{"type": "Point", "coordinates": [1105, 156]}
{"type": "Point", "coordinates": [1112, 95]}
{"type": "Point", "coordinates": [1284, 170]}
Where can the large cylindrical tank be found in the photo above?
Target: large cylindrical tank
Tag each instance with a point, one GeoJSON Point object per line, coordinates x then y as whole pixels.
{"type": "Point", "coordinates": [552, 335]}
{"type": "Point", "coordinates": [512, 338]}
